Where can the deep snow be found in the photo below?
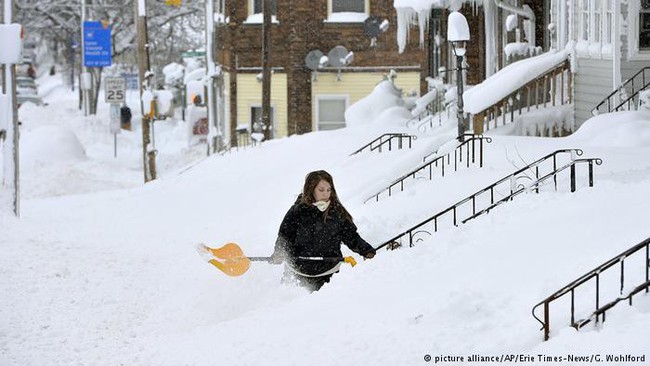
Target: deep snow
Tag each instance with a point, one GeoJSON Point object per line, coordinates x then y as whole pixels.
{"type": "Point", "coordinates": [101, 270]}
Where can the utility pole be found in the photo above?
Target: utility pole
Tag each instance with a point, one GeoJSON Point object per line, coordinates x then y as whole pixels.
{"type": "Point", "coordinates": [83, 77]}
{"type": "Point", "coordinates": [148, 151]}
{"type": "Point", "coordinates": [11, 172]}
{"type": "Point", "coordinates": [266, 70]}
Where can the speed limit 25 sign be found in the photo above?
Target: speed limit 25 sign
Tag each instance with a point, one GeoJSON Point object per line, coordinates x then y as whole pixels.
{"type": "Point", "coordinates": [115, 90]}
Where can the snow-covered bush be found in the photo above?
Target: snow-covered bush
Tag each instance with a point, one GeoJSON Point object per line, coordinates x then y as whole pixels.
{"type": "Point", "coordinates": [366, 110]}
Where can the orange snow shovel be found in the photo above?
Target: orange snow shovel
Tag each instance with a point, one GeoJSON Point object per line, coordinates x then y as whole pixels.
{"type": "Point", "coordinates": [230, 259]}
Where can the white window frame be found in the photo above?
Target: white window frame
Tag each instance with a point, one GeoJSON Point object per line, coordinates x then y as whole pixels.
{"type": "Point", "coordinates": [634, 21]}
{"type": "Point", "coordinates": [596, 26]}
{"type": "Point", "coordinates": [596, 18]}
{"type": "Point", "coordinates": [258, 18]}
{"type": "Point", "coordinates": [608, 25]}
{"type": "Point", "coordinates": [585, 20]}
{"type": "Point", "coordinates": [320, 97]}
{"type": "Point", "coordinates": [347, 17]}
{"type": "Point", "coordinates": [250, 117]}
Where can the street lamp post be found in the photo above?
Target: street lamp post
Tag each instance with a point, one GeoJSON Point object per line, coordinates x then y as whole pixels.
{"type": "Point", "coordinates": [458, 34]}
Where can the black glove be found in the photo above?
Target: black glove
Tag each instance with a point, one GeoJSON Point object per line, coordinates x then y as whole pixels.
{"type": "Point", "coordinates": [369, 255]}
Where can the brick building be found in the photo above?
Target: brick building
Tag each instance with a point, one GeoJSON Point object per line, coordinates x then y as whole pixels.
{"type": "Point", "coordinates": [302, 100]}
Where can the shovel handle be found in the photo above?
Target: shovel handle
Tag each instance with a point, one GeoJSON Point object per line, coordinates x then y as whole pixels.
{"type": "Point", "coordinates": [259, 259]}
{"type": "Point", "coordinates": [268, 259]}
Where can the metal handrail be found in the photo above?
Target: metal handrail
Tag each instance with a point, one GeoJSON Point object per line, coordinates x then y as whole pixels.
{"type": "Point", "coordinates": [645, 82]}
{"type": "Point", "coordinates": [433, 108]}
{"type": "Point", "coordinates": [422, 127]}
{"type": "Point", "coordinates": [458, 156]}
{"type": "Point", "coordinates": [515, 189]}
{"type": "Point", "coordinates": [382, 142]}
{"type": "Point", "coordinates": [228, 148]}
{"type": "Point", "coordinates": [595, 273]}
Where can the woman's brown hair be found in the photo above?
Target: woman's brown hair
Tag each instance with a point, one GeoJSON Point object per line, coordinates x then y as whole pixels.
{"type": "Point", "coordinates": [311, 181]}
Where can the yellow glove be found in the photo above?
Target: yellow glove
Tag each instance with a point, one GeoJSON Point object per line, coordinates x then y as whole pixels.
{"type": "Point", "coordinates": [350, 260]}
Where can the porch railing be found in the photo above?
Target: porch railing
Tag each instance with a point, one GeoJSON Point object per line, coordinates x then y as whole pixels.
{"type": "Point", "coordinates": [626, 97]}
{"type": "Point", "coordinates": [554, 87]}
{"type": "Point", "coordinates": [436, 106]}
{"type": "Point", "coordinates": [596, 274]}
{"type": "Point", "coordinates": [468, 207]}
{"type": "Point", "coordinates": [388, 140]}
{"type": "Point", "coordinates": [467, 148]}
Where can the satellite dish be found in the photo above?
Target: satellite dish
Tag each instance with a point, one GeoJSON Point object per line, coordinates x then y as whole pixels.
{"type": "Point", "coordinates": [313, 59]}
{"type": "Point", "coordinates": [372, 26]}
{"type": "Point", "coordinates": [337, 56]}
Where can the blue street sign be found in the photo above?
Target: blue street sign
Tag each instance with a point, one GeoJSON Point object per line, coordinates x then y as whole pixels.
{"type": "Point", "coordinates": [97, 45]}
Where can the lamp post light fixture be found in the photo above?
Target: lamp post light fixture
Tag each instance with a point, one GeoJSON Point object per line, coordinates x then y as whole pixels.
{"type": "Point", "coordinates": [458, 34]}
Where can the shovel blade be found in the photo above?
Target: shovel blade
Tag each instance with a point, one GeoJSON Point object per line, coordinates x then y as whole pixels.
{"type": "Point", "coordinates": [230, 259]}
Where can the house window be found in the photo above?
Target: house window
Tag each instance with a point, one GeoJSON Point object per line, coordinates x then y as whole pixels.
{"type": "Point", "coordinates": [256, 125]}
{"type": "Point", "coordinates": [258, 7]}
{"type": "Point", "coordinates": [584, 20]}
{"type": "Point", "coordinates": [348, 10]}
{"type": "Point", "coordinates": [608, 30]}
{"type": "Point", "coordinates": [644, 25]}
{"type": "Point", "coordinates": [331, 112]}
{"type": "Point", "coordinates": [350, 6]}
{"type": "Point", "coordinates": [596, 20]}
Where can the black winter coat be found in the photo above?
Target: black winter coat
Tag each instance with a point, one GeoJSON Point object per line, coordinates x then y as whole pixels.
{"type": "Point", "coordinates": [304, 233]}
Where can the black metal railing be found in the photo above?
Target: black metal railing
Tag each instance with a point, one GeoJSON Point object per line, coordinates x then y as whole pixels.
{"type": "Point", "coordinates": [627, 95]}
{"type": "Point", "coordinates": [428, 123]}
{"type": "Point", "coordinates": [433, 108]}
{"type": "Point", "coordinates": [437, 166]}
{"type": "Point", "coordinates": [486, 196]}
{"type": "Point", "coordinates": [386, 140]}
{"type": "Point", "coordinates": [229, 149]}
{"type": "Point", "coordinates": [596, 275]}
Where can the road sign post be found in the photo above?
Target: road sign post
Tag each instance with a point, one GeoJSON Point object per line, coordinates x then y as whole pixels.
{"type": "Point", "coordinates": [11, 38]}
{"type": "Point", "coordinates": [114, 90]}
{"type": "Point", "coordinates": [114, 93]}
{"type": "Point", "coordinates": [97, 44]}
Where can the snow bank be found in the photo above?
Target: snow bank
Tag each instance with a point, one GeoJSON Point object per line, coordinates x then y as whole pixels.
{"type": "Point", "coordinates": [620, 129]}
{"type": "Point", "coordinates": [509, 79]}
{"type": "Point", "coordinates": [366, 110]}
{"type": "Point", "coordinates": [50, 144]}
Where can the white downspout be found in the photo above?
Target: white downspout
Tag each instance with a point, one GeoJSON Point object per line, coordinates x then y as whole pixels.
{"type": "Point", "coordinates": [562, 30]}
{"type": "Point", "coordinates": [616, 45]}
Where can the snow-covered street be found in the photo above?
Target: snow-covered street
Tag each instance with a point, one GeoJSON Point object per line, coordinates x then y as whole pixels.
{"type": "Point", "coordinates": [100, 269]}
